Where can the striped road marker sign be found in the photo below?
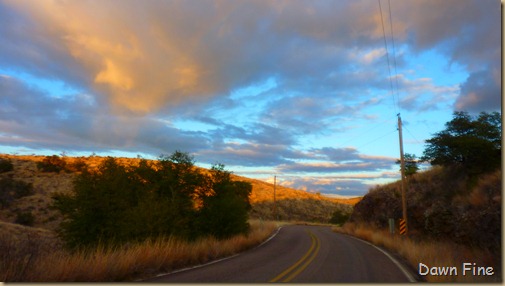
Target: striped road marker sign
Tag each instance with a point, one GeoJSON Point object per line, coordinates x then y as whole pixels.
{"type": "Point", "coordinates": [403, 227]}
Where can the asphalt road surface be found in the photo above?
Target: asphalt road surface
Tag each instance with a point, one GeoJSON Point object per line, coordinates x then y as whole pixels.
{"type": "Point", "coordinates": [300, 254]}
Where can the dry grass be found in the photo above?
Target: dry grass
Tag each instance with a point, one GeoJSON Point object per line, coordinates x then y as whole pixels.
{"type": "Point", "coordinates": [263, 192]}
{"type": "Point", "coordinates": [127, 263]}
{"type": "Point", "coordinates": [307, 210]}
{"type": "Point", "coordinates": [34, 253]}
{"type": "Point", "coordinates": [432, 253]}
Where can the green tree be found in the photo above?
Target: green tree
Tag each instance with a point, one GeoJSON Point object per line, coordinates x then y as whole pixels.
{"type": "Point", "coordinates": [179, 184]}
{"type": "Point", "coordinates": [94, 212]}
{"type": "Point", "coordinates": [118, 204]}
{"type": "Point", "coordinates": [339, 217]}
{"type": "Point", "coordinates": [472, 143]}
{"type": "Point", "coordinates": [225, 210]}
{"type": "Point", "coordinates": [410, 161]}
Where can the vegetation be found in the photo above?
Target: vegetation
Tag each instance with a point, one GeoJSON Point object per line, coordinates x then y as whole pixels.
{"type": "Point", "coordinates": [37, 254]}
{"type": "Point", "coordinates": [11, 189]}
{"type": "Point", "coordinates": [454, 207]}
{"type": "Point", "coordinates": [440, 206]}
{"type": "Point", "coordinates": [25, 218]}
{"type": "Point", "coordinates": [5, 165]}
{"type": "Point", "coordinates": [37, 259]}
{"type": "Point", "coordinates": [410, 164]}
{"type": "Point", "coordinates": [434, 253]}
{"type": "Point", "coordinates": [340, 217]}
{"type": "Point", "coordinates": [474, 144]}
{"type": "Point", "coordinates": [77, 166]}
{"type": "Point", "coordinates": [300, 209]}
{"type": "Point", "coordinates": [52, 164]}
{"type": "Point", "coordinates": [118, 204]}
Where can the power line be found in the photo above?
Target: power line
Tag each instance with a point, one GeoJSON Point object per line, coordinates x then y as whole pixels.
{"type": "Point", "coordinates": [364, 132]}
{"type": "Point", "coordinates": [387, 56]}
{"type": "Point", "coordinates": [417, 140]}
{"type": "Point", "coordinates": [376, 139]}
{"type": "Point", "coordinates": [402, 160]}
{"type": "Point", "coordinates": [394, 51]}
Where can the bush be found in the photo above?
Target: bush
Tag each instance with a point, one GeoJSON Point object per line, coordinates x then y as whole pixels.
{"type": "Point", "coordinates": [440, 206]}
{"type": "Point", "coordinates": [339, 217]}
{"type": "Point", "coordinates": [6, 165]}
{"type": "Point", "coordinates": [25, 218]}
{"type": "Point", "coordinates": [52, 164]}
{"type": "Point", "coordinates": [77, 166]}
{"type": "Point", "coordinates": [11, 189]}
{"type": "Point", "coordinates": [118, 204]}
{"type": "Point", "coordinates": [224, 213]}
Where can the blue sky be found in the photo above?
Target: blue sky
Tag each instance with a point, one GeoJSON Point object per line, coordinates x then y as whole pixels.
{"type": "Point", "coordinates": [298, 89]}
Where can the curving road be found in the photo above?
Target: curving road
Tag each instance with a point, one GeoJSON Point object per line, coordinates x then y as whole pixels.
{"type": "Point", "coordinates": [301, 254]}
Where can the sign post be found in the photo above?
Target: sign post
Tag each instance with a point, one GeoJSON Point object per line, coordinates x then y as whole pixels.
{"type": "Point", "coordinates": [392, 226]}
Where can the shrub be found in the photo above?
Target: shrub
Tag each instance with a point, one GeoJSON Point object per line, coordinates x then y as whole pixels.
{"type": "Point", "coordinates": [339, 217]}
{"type": "Point", "coordinates": [118, 204]}
{"type": "Point", "coordinates": [441, 206]}
{"type": "Point", "coordinates": [52, 164]}
{"type": "Point", "coordinates": [11, 189]}
{"type": "Point", "coordinates": [224, 213]}
{"type": "Point", "coordinates": [77, 166]}
{"type": "Point", "coordinates": [5, 165]}
{"type": "Point", "coordinates": [25, 218]}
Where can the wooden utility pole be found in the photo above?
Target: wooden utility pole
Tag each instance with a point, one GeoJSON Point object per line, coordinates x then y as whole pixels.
{"type": "Point", "coordinates": [402, 161]}
{"type": "Point", "coordinates": [275, 206]}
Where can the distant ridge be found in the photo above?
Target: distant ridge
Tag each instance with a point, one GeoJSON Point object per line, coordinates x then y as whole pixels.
{"type": "Point", "coordinates": [291, 201]}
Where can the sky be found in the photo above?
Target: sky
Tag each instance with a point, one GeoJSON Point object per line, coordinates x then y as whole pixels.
{"type": "Point", "coordinates": [308, 91]}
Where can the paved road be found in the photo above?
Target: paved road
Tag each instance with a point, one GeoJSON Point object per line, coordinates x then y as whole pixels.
{"type": "Point", "coordinates": [305, 254]}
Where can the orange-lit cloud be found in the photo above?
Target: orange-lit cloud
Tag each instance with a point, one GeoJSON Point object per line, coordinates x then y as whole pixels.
{"type": "Point", "coordinates": [277, 84]}
{"type": "Point", "coordinates": [139, 64]}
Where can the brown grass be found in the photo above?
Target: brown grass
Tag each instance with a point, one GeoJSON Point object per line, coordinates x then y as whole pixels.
{"type": "Point", "coordinates": [128, 263]}
{"type": "Point", "coordinates": [432, 253]}
{"type": "Point", "coordinates": [34, 253]}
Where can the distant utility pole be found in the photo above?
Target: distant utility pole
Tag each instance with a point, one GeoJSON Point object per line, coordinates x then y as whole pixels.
{"type": "Point", "coordinates": [275, 204]}
{"type": "Point", "coordinates": [402, 160]}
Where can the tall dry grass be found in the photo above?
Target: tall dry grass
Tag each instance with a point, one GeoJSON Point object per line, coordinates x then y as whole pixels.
{"type": "Point", "coordinates": [131, 262]}
{"type": "Point", "coordinates": [432, 253]}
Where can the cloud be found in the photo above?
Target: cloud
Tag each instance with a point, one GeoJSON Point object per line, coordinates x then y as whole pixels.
{"type": "Point", "coordinates": [329, 185]}
{"type": "Point", "coordinates": [143, 57]}
{"type": "Point", "coordinates": [468, 32]}
{"type": "Point", "coordinates": [34, 119]}
{"type": "Point", "coordinates": [338, 154]}
{"type": "Point", "coordinates": [422, 94]}
{"type": "Point", "coordinates": [139, 68]}
{"type": "Point", "coordinates": [330, 160]}
{"type": "Point", "coordinates": [246, 154]}
{"type": "Point", "coordinates": [480, 92]}
{"type": "Point", "coordinates": [325, 167]}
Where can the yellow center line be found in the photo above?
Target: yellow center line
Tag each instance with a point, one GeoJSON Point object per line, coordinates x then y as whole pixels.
{"type": "Point", "coordinates": [301, 268]}
{"type": "Point", "coordinates": [307, 258]}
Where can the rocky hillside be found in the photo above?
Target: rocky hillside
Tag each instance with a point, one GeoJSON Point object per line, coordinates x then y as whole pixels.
{"type": "Point", "coordinates": [443, 204]}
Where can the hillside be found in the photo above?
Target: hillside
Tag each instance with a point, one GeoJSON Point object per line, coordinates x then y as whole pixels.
{"type": "Point", "coordinates": [443, 204]}
{"type": "Point", "coordinates": [291, 204]}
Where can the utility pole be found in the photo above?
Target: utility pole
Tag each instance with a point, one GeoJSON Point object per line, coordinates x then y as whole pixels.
{"type": "Point", "coordinates": [402, 161]}
{"type": "Point", "coordinates": [275, 207]}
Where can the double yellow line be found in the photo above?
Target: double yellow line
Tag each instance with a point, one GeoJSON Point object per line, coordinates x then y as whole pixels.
{"type": "Point", "coordinates": [293, 271]}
